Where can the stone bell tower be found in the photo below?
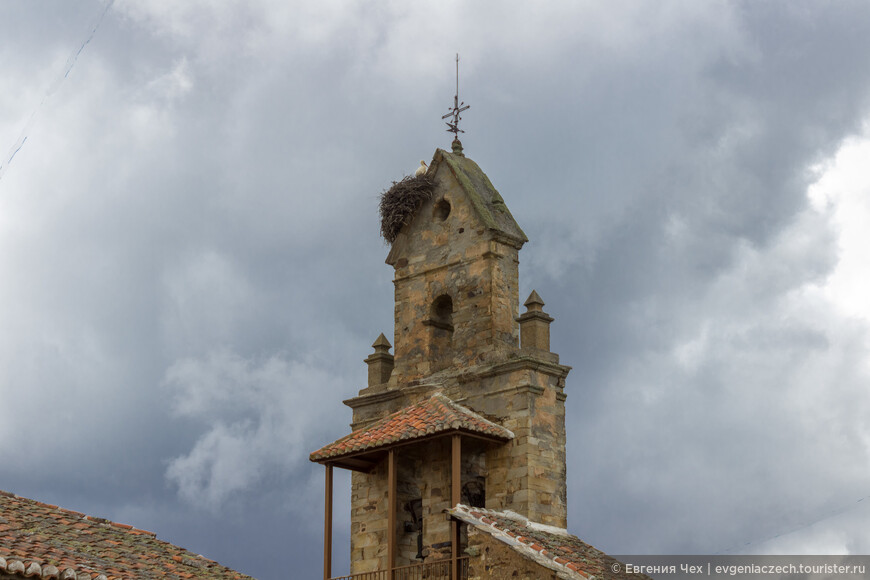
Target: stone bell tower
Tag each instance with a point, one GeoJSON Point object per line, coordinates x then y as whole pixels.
{"type": "Point", "coordinates": [471, 408]}
{"type": "Point", "coordinates": [456, 274]}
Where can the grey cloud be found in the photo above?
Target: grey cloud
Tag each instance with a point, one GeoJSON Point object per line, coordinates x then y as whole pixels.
{"type": "Point", "coordinates": [192, 276]}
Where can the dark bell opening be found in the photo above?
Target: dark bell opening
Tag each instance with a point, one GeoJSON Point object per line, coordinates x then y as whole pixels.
{"type": "Point", "coordinates": [442, 309]}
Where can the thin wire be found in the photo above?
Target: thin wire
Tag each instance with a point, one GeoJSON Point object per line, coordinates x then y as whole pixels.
{"type": "Point", "coordinates": [70, 63]}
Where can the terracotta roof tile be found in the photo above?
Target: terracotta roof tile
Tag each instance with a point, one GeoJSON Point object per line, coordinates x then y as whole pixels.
{"type": "Point", "coordinates": [42, 540]}
{"type": "Point", "coordinates": [435, 415]}
{"type": "Point", "coordinates": [551, 547]}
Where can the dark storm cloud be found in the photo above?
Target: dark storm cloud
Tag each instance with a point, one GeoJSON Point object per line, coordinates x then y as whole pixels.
{"type": "Point", "coordinates": [192, 273]}
{"type": "Point", "coordinates": [708, 370]}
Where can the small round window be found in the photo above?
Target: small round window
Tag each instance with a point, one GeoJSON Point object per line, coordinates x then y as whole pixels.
{"type": "Point", "coordinates": [442, 210]}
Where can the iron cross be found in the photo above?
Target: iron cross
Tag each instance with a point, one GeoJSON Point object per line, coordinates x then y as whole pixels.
{"type": "Point", "coordinates": [457, 108]}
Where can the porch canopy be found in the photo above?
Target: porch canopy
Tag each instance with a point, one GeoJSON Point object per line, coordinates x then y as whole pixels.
{"type": "Point", "coordinates": [363, 449]}
{"type": "Point", "coordinates": [437, 416]}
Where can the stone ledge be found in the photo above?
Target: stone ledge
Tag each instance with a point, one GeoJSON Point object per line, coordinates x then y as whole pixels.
{"type": "Point", "coordinates": [372, 399]}
{"type": "Point", "coordinates": [533, 389]}
{"type": "Point", "coordinates": [522, 362]}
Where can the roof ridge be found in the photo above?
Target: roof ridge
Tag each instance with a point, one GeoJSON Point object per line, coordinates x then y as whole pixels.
{"type": "Point", "coordinates": [492, 210]}
{"type": "Point", "coordinates": [474, 414]}
{"type": "Point", "coordinates": [80, 515]}
{"type": "Point", "coordinates": [526, 545]}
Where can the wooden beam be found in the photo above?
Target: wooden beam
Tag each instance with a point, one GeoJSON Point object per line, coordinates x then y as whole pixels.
{"type": "Point", "coordinates": [391, 511]}
{"type": "Point", "coordinates": [356, 464]}
{"type": "Point", "coordinates": [327, 526]}
{"type": "Point", "coordinates": [455, 498]}
{"type": "Point", "coordinates": [456, 470]}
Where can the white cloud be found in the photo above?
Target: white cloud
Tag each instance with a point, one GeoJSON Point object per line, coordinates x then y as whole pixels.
{"type": "Point", "coordinates": [844, 189]}
{"type": "Point", "coordinates": [750, 385]}
{"type": "Point", "coordinates": [173, 84]}
{"type": "Point", "coordinates": [261, 417]}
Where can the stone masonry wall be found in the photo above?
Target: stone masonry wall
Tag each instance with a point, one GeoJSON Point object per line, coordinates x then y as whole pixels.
{"type": "Point", "coordinates": [423, 472]}
{"type": "Point", "coordinates": [495, 560]}
{"type": "Point", "coordinates": [368, 520]}
{"type": "Point", "coordinates": [528, 474]}
{"type": "Point", "coordinates": [452, 257]}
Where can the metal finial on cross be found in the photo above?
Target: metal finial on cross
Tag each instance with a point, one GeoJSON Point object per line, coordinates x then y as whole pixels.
{"type": "Point", "coordinates": [457, 108]}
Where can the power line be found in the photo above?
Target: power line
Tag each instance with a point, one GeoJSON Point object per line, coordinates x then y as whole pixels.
{"type": "Point", "coordinates": [70, 63]}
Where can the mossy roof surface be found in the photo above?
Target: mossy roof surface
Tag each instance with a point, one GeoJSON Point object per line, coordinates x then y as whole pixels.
{"type": "Point", "coordinates": [483, 196]}
{"type": "Point", "coordinates": [51, 542]}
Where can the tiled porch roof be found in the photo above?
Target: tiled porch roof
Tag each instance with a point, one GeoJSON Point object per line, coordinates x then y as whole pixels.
{"type": "Point", "coordinates": [551, 547]}
{"type": "Point", "coordinates": [434, 416]}
{"type": "Point", "coordinates": [45, 541]}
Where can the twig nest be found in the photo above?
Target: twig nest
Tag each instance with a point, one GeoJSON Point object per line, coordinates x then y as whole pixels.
{"type": "Point", "coordinates": [400, 202]}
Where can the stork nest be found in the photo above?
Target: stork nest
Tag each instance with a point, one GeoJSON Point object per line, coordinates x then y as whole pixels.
{"type": "Point", "coordinates": [400, 202]}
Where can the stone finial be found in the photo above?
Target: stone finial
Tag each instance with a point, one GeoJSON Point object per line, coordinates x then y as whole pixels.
{"type": "Point", "coordinates": [381, 344]}
{"type": "Point", "coordinates": [533, 303]}
{"type": "Point", "coordinates": [457, 147]}
{"type": "Point", "coordinates": [380, 362]}
{"type": "Point", "coordinates": [535, 325]}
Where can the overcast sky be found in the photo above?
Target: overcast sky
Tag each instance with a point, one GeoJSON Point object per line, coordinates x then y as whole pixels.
{"type": "Point", "coordinates": [191, 273]}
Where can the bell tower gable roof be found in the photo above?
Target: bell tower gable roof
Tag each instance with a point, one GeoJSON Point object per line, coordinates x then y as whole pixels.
{"type": "Point", "coordinates": [456, 171]}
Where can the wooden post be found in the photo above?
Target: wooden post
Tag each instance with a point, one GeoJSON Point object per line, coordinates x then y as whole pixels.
{"type": "Point", "coordinates": [455, 483]}
{"type": "Point", "coordinates": [391, 511]}
{"type": "Point", "coordinates": [327, 526]}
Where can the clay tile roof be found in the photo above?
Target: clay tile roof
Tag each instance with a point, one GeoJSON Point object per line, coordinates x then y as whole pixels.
{"type": "Point", "coordinates": [551, 547]}
{"type": "Point", "coordinates": [434, 416]}
{"type": "Point", "coordinates": [45, 541]}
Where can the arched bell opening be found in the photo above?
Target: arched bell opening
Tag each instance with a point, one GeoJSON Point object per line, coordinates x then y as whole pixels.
{"type": "Point", "coordinates": [440, 323]}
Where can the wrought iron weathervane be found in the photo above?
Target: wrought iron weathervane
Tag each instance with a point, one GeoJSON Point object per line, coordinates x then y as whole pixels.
{"type": "Point", "coordinates": [457, 108]}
